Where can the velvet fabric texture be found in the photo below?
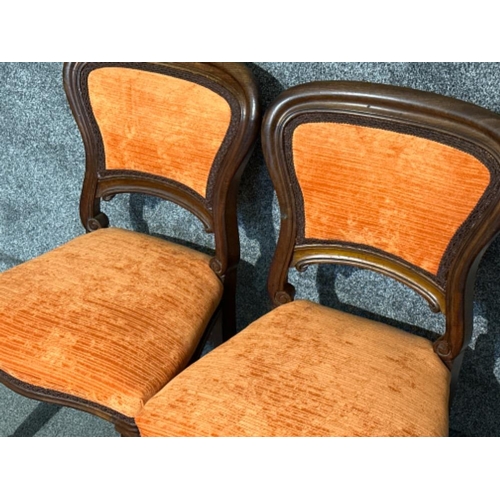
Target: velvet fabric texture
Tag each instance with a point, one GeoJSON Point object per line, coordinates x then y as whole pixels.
{"type": "Point", "coordinates": [402, 194]}
{"type": "Point", "coordinates": [109, 317]}
{"type": "Point", "coordinates": [158, 124]}
{"type": "Point", "coordinates": [307, 370]}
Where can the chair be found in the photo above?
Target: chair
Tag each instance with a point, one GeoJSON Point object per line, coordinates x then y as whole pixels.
{"type": "Point", "coordinates": [103, 322]}
{"type": "Point", "coordinates": [398, 181]}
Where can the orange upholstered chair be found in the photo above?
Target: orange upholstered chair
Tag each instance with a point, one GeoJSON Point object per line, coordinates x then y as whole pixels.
{"type": "Point", "coordinates": [398, 181]}
{"type": "Point", "coordinates": [103, 322]}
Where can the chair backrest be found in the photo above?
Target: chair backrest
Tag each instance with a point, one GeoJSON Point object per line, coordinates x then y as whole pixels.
{"type": "Point", "coordinates": [399, 181]}
{"type": "Point", "coordinates": [180, 131]}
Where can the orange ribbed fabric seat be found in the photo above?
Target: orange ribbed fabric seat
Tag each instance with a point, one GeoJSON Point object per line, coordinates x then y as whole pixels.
{"type": "Point", "coordinates": [307, 370]}
{"type": "Point", "coordinates": [93, 321]}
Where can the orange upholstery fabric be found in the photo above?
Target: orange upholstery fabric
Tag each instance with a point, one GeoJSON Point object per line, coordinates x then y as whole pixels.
{"type": "Point", "coordinates": [402, 194]}
{"type": "Point", "coordinates": [158, 124]}
{"type": "Point", "coordinates": [307, 370]}
{"type": "Point", "coordinates": [109, 317]}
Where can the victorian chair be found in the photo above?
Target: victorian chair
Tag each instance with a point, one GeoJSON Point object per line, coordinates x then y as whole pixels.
{"type": "Point", "coordinates": [398, 181]}
{"type": "Point", "coordinates": [103, 322]}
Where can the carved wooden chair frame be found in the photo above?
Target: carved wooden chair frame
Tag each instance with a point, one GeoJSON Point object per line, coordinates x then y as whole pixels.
{"type": "Point", "coordinates": [442, 119]}
{"type": "Point", "coordinates": [217, 211]}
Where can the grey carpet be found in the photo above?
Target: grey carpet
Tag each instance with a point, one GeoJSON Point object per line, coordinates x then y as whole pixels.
{"type": "Point", "coordinates": [41, 167]}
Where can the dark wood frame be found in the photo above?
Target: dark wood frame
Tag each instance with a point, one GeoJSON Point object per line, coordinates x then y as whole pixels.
{"type": "Point", "coordinates": [217, 211]}
{"type": "Point", "coordinates": [446, 120]}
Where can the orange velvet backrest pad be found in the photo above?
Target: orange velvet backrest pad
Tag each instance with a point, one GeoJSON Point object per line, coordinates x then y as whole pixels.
{"type": "Point", "coordinates": [402, 194]}
{"type": "Point", "coordinates": [158, 124]}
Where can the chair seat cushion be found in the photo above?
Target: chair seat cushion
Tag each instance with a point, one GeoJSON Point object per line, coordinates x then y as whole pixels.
{"type": "Point", "coordinates": [307, 370]}
{"type": "Point", "coordinates": [109, 317]}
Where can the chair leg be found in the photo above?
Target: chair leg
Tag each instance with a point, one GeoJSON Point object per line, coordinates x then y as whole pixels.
{"type": "Point", "coordinates": [455, 372]}
{"type": "Point", "coordinates": [229, 306]}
